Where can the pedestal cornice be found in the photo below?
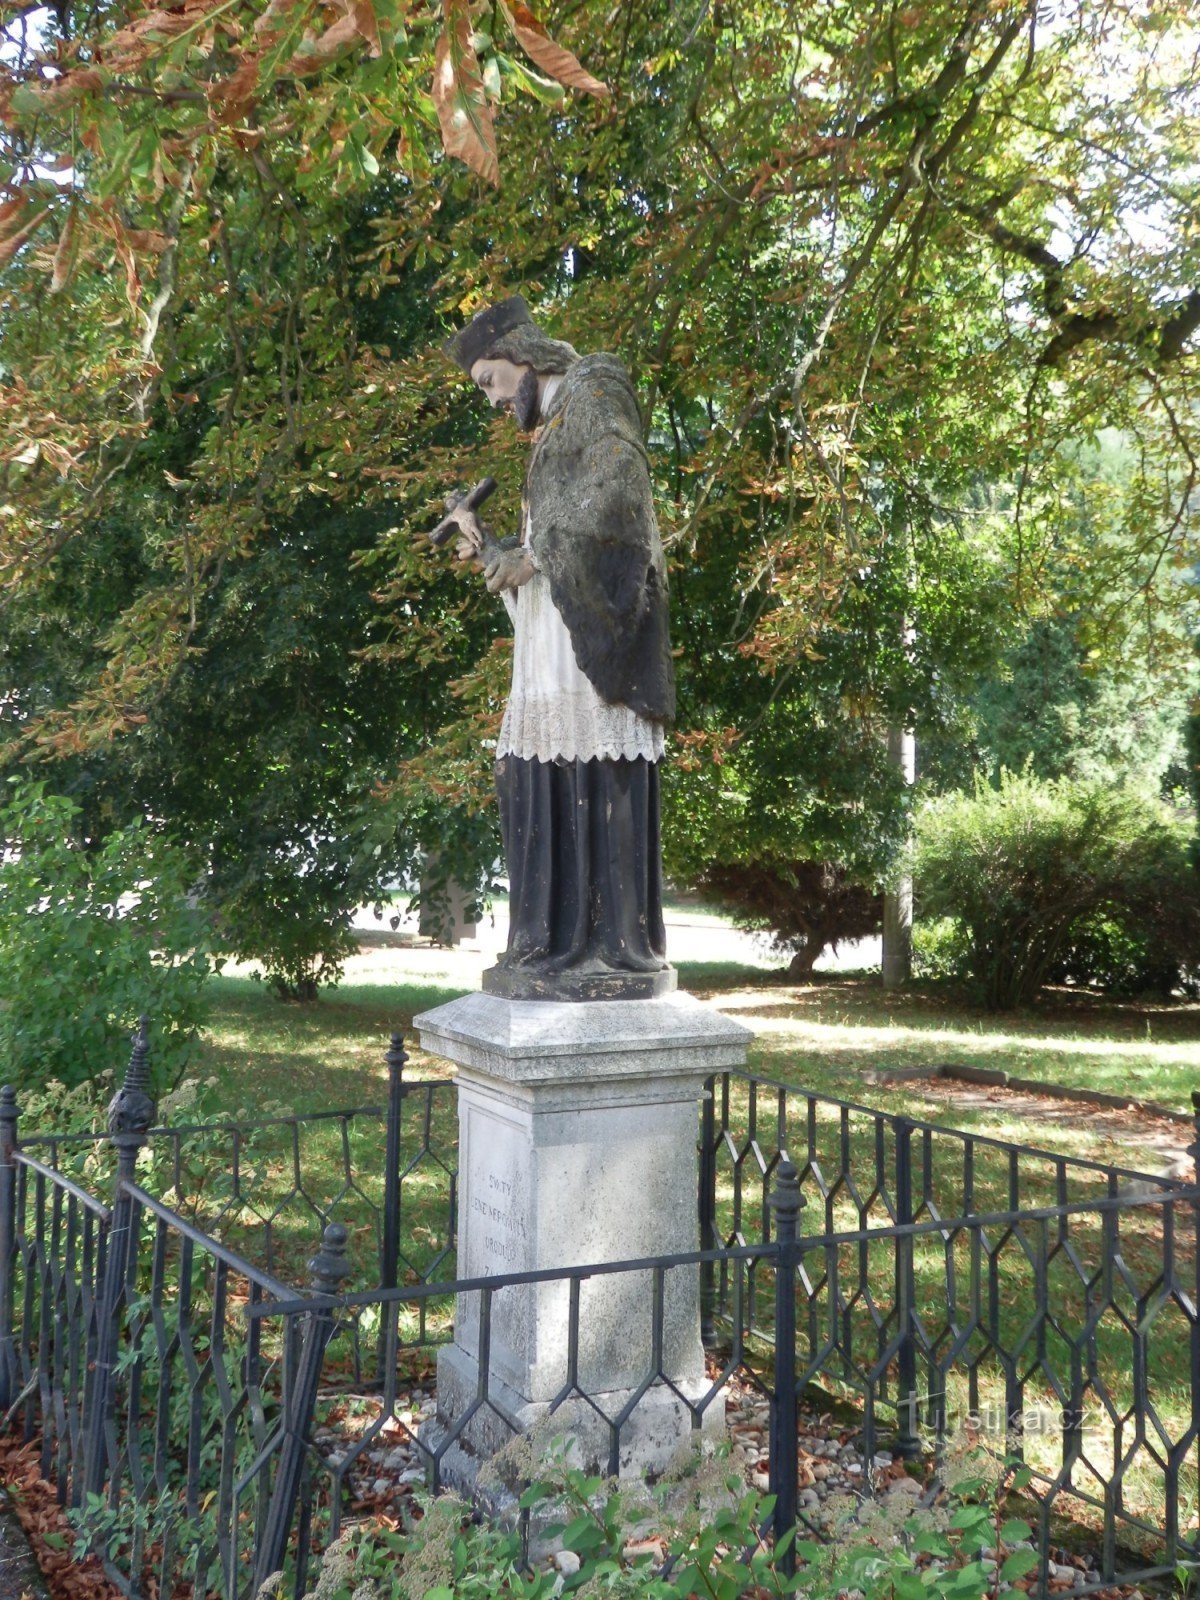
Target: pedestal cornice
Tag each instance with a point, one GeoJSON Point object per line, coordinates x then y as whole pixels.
{"type": "Point", "coordinates": [537, 1041]}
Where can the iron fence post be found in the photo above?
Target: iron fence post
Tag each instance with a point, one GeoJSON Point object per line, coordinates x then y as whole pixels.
{"type": "Point", "coordinates": [8, 1244]}
{"type": "Point", "coordinates": [786, 1202]}
{"type": "Point", "coordinates": [707, 1212]}
{"type": "Point", "coordinates": [908, 1441]}
{"type": "Point", "coordinates": [328, 1270]}
{"type": "Point", "coordinates": [130, 1114]}
{"type": "Point", "coordinates": [1195, 1327]}
{"type": "Point", "coordinates": [389, 1248]}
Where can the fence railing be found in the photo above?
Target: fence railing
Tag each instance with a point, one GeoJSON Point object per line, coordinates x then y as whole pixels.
{"type": "Point", "coordinates": [190, 1399]}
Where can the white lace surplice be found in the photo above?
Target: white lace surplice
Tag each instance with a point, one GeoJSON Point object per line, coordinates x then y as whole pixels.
{"type": "Point", "coordinates": [553, 712]}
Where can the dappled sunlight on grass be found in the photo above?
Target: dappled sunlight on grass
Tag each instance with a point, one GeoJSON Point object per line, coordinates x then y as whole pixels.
{"type": "Point", "coordinates": [829, 1036]}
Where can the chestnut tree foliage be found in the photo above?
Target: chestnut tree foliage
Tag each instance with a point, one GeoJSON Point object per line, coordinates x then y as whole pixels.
{"type": "Point", "coordinates": [879, 271]}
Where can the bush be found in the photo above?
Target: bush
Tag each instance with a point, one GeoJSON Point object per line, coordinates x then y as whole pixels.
{"type": "Point", "coordinates": [1131, 956]}
{"type": "Point", "coordinates": [1029, 873]}
{"type": "Point", "coordinates": [810, 905]}
{"type": "Point", "coordinates": [91, 939]}
{"type": "Point", "coordinates": [700, 1535]}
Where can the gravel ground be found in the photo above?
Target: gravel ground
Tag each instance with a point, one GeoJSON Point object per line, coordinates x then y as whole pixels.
{"type": "Point", "coordinates": [692, 935]}
{"type": "Point", "coordinates": [19, 1575]}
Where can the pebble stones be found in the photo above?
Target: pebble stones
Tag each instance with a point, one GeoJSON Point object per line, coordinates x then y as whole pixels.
{"type": "Point", "coordinates": [386, 1468]}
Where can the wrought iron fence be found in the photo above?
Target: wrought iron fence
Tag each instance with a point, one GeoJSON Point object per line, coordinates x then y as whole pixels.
{"type": "Point", "coordinates": [191, 1403]}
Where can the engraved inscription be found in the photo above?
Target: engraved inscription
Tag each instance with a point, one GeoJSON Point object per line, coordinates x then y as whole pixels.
{"type": "Point", "coordinates": [506, 1231]}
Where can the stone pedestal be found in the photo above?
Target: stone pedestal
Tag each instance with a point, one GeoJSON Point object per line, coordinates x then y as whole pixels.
{"type": "Point", "coordinates": [577, 1145]}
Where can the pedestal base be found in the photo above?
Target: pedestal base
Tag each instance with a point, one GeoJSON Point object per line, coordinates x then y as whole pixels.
{"type": "Point", "coordinates": [660, 1424]}
{"type": "Point", "coordinates": [577, 984]}
{"type": "Point", "coordinates": [577, 1146]}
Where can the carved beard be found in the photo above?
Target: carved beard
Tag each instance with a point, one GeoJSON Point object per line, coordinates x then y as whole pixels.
{"type": "Point", "coordinates": [525, 405]}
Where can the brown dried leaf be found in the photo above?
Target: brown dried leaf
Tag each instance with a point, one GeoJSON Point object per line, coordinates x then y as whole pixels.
{"type": "Point", "coordinates": [555, 60]}
{"type": "Point", "coordinates": [132, 44]}
{"type": "Point", "coordinates": [58, 93]}
{"type": "Point", "coordinates": [64, 256]}
{"type": "Point", "coordinates": [14, 241]}
{"type": "Point", "coordinates": [463, 111]}
{"type": "Point", "coordinates": [148, 239]}
{"type": "Point", "coordinates": [272, 17]}
{"type": "Point", "coordinates": [367, 24]}
{"type": "Point", "coordinates": [232, 96]}
{"type": "Point", "coordinates": [358, 23]}
{"type": "Point", "coordinates": [11, 212]}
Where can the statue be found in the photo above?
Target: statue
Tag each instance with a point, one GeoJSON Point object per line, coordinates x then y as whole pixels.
{"type": "Point", "coordinates": [585, 585]}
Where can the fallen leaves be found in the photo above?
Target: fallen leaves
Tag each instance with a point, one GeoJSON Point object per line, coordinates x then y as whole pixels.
{"type": "Point", "coordinates": [45, 1523]}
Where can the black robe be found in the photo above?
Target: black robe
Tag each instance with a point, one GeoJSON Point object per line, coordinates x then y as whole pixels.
{"type": "Point", "coordinates": [581, 838]}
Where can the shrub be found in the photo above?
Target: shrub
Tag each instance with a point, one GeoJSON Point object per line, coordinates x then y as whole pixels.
{"type": "Point", "coordinates": [1133, 954]}
{"type": "Point", "coordinates": [1027, 872]}
{"type": "Point", "coordinates": [90, 939]}
{"type": "Point", "coordinates": [810, 905]}
{"type": "Point", "coordinates": [685, 1539]}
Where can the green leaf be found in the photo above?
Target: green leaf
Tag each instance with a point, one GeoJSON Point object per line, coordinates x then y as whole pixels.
{"type": "Point", "coordinates": [1018, 1564]}
{"type": "Point", "coordinates": [1014, 1531]}
{"type": "Point", "coordinates": [529, 82]}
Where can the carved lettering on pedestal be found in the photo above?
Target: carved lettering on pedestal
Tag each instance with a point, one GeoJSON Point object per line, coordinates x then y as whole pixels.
{"type": "Point", "coordinates": [507, 1235]}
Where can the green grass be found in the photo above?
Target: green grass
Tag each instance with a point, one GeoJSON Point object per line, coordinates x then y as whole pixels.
{"type": "Point", "coordinates": [831, 1037]}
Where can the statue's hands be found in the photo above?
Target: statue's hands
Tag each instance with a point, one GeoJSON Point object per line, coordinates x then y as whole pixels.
{"type": "Point", "coordinates": [468, 546]}
{"type": "Point", "coordinates": [506, 568]}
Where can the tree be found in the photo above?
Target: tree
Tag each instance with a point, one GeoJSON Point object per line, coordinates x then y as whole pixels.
{"type": "Point", "coordinates": [94, 932]}
{"type": "Point", "coordinates": [875, 275]}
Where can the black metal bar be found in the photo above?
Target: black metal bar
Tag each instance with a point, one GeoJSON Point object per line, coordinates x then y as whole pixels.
{"type": "Point", "coordinates": [8, 1245]}
{"type": "Point", "coordinates": [908, 1442]}
{"type": "Point", "coordinates": [746, 1252]}
{"type": "Point", "coordinates": [944, 1131]}
{"type": "Point", "coordinates": [389, 1257]}
{"type": "Point", "coordinates": [786, 1202]}
{"type": "Point", "coordinates": [60, 1182]}
{"type": "Point", "coordinates": [1194, 1431]}
{"type": "Point", "coordinates": [213, 1247]}
{"type": "Point", "coordinates": [129, 1117]}
{"type": "Point", "coordinates": [707, 1212]}
{"type": "Point", "coordinates": [328, 1269]}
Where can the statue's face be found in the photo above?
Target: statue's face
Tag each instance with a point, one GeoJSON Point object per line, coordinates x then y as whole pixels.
{"type": "Point", "coordinates": [513, 388]}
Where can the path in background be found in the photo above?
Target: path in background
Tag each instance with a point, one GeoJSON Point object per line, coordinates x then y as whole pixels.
{"type": "Point", "coordinates": [693, 934]}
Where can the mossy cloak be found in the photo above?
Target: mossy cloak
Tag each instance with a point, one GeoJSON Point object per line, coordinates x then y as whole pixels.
{"type": "Point", "coordinates": [595, 537]}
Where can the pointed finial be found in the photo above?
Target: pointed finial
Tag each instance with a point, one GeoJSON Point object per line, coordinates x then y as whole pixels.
{"type": "Point", "coordinates": [137, 1073]}
{"type": "Point", "coordinates": [131, 1109]}
{"type": "Point", "coordinates": [785, 1198]}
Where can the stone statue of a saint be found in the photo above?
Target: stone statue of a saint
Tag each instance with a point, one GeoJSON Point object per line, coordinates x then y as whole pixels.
{"type": "Point", "coordinates": [585, 584]}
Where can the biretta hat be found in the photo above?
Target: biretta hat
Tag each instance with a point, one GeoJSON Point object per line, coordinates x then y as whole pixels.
{"type": "Point", "coordinates": [475, 341]}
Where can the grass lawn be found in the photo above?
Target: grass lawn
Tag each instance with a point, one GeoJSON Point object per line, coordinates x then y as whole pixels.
{"type": "Point", "coordinates": [831, 1037]}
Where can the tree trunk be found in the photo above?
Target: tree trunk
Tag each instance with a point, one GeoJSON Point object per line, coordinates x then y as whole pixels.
{"type": "Point", "coordinates": [805, 958]}
{"type": "Point", "coordinates": [898, 901]}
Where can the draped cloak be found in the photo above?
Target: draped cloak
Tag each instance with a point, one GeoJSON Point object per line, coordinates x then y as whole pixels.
{"type": "Point", "coordinates": [581, 829]}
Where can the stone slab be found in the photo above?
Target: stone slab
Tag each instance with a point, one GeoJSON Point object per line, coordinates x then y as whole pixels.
{"type": "Point", "coordinates": [574, 985]}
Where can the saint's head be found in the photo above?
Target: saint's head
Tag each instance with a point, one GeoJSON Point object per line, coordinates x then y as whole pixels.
{"type": "Point", "coordinates": [505, 352]}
